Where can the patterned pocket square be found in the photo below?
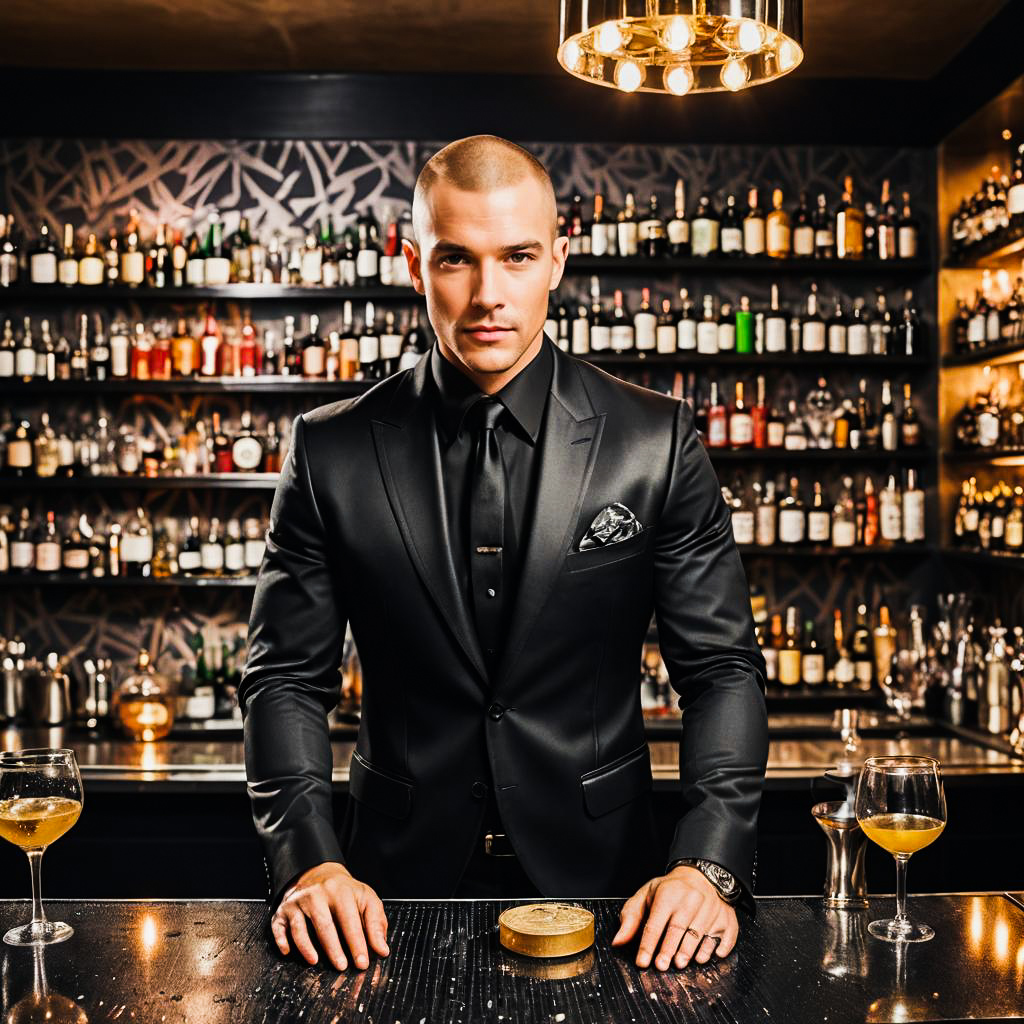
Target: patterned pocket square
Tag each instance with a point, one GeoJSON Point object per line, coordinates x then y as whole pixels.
{"type": "Point", "coordinates": [612, 524]}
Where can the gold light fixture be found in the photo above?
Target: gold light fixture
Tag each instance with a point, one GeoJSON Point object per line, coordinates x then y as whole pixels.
{"type": "Point", "coordinates": [680, 47]}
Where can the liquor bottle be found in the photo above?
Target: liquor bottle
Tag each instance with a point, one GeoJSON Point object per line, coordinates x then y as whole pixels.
{"type": "Point", "coordinates": [314, 354]}
{"type": "Point", "coordinates": [776, 325]}
{"type": "Point", "coordinates": [369, 346]}
{"type": "Point", "coordinates": [599, 228]}
{"type": "Point", "coordinates": [886, 241]}
{"type": "Point", "coordinates": [754, 227]}
{"type": "Point", "coordinates": [843, 672]}
{"type": "Point", "coordinates": [622, 334]}
{"type": "Point", "coordinates": [908, 231]}
{"type": "Point", "coordinates": [861, 650]}
{"type": "Point", "coordinates": [849, 233]}
{"type": "Point", "coordinates": [819, 518]}
{"type": "Point", "coordinates": [913, 526]}
{"type": "Point", "coordinates": [836, 330]}
{"type": "Point", "coordinates": [731, 229]}
{"type": "Point", "coordinates": [22, 545]}
{"type": "Point", "coordinates": [824, 236]}
{"type": "Point", "coordinates": [792, 517]}
{"type": "Point", "coordinates": [46, 354]}
{"type": "Point", "coordinates": [25, 356]}
{"type": "Point", "coordinates": [272, 449]}
{"type": "Point", "coordinates": [717, 425]}
{"type": "Point", "coordinates": [48, 546]}
{"type": "Point", "coordinates": [600, 323]}
{"type": "Point", "coordinates": [141, 349]}
{"type": "Point", "coordinates": [795, 436]}
{"type": "Point", "coordinates": [686, 325]}
{"type": "Point", "coordinates": [627, 235]}
{"type": "Point", "coordinates": [42, 259]}
{"type": "Point", "coordinates": [190, 561]}
{"type": "Point", "coordinates": [91, 270]}
{"type": "Point", "coordinates": [812, 327]}
{"type": "Point", "coordinates": [179, 260]}
{"type": "Point", "coordinates": [211, 550]}
{"type": "Point", "coordinates": [741, 426]}
{"type": "Point", "coordinates": [889, 430]}
{"type": "Point", "coordinates": [867, 513]}
{"type": "Point", "coordinates": [216, 264]}
{"type": "Point", "coordinates": [707, 329]}
{"type": "Point", "coordinates": [246, 449]}
{"type": "Point", "coordinates": [858, 339]}
{"type": "Point", "coordinates": [390, 345]}
{"type": "Point", "coordinates": [133, 259]}
{"type": "Point", "coordinates": [766, 517]}
{"type": "Point", "coordinates": [884, 643]}
{"type": "Point", "coordinates": [776, 641]}
{"type": "Point", "coordinates": [726, 340]}
{"type": "Point", "coordinates": [890, 509]}
{"type": "Point", "coordinates": [870, 231]}
{"type": "Point", "coordinates": [759, 417]}
{"type": "Point", "coordinates": [112, 259]}
{"type": "Point", "coordinates": [779, 230]}
{"type": "Point", "coordinates": [574, 226]}
{"type": "Point", "coordinates": [776, 431]}
{"type": "Point", "coordinates": [239, 246]}
{"type": "Point", "coordinates": [7, 351]}
{"type": "Point", "coordinates": [195, 263]}
{"type": "Point", "coordinates": [310, 260]}
{"type": "Point", "coordinates": [160, 273]}
{"type": "Point", "coordinates": [9, 255]}
{"type": "Point", "coordinates": [704, 230]}
{"type": "Point", "coordinates": [803, 229]}
{"type": "Point", "coordinates": [880, 327]}
{"type": "Point", "coordinates": [666, 329]}
{"type": "Point", "coordinates": [74, 557]}
{"type": "Point", "coordinates": [67, 266]}
{"type": "Point", "coordinates": [136, 547]}
{"type": "Point", "coordinates": [98, 353]}
{"type": "Point", "coordinates": [645, 323]}
{"type": "Point", "coordinates": [255, 544]}
{"type": "Point", "coordinates": [908, 339]}
{"type": "Point", "coordinates": [234, 548]}
{"type": "Point", "coordinates": [651, 241]}
{"type": "Point", "coordinates": [812, 665]}
{"type": "Point", "coordinates": [744, 327]}
{"type": "Point", "coordinates": [791, 656]}
{"type": "Point", "coordinates": [221, 446]}
{"type": "Point", "coordinates": [679, 227]}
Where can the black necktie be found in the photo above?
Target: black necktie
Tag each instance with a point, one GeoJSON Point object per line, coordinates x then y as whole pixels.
{"type": "Point", "coordinates": [487, 530]}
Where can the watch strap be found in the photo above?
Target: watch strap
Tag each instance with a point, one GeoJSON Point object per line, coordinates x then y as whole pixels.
{"type": "Point", "coordinates": [718, 876]}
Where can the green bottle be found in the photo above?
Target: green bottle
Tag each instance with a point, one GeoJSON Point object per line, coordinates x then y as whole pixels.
{"type": "Point", "coordinates": [744, 327]}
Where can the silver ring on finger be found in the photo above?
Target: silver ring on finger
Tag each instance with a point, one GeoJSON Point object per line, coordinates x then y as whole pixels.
{"type": "Point", "coordinates": [696, 934]}
{"type": "Point", "coordinates": [717, 939]}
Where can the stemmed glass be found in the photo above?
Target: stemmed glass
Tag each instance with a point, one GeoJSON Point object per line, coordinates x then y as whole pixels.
{"type": "Point", "coordinates": [901, 806]}
{"type": "Point", "coordinates": [40, 799]}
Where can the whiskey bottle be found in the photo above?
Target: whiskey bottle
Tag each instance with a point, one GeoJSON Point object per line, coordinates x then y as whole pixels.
{"type": "Point", "coordinates": [754, 227]}
{"type": "Point", "coordinates": [779, 230]}
{"type": "Point", "coordinates": [679, 227]}
{"type": "Point", "coordinates": [67, 267]}
{"type": "Point", "coordinates": [849, 232]}
{"type": "Point", "coordinates": [42, 259]}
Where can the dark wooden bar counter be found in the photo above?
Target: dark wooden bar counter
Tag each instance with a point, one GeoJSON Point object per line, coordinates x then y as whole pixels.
{"type": "Point", "coordinates": [212, 962]}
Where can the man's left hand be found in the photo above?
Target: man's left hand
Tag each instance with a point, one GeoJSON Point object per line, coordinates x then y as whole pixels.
{"type": "Point", "coordinates": [685, 914]}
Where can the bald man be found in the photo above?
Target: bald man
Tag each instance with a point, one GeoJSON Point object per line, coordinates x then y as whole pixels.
{"type": "Point", "coordinates": [498, 525]}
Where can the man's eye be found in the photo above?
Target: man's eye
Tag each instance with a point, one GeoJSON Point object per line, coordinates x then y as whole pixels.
{"type": "Point", "coordinates": [452, 258]}
{"type": "Point", "coordinates": [520, 257]}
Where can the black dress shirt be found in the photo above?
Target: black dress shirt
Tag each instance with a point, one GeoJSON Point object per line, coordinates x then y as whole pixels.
{"type": "Point", "coordinates": [518, 433]}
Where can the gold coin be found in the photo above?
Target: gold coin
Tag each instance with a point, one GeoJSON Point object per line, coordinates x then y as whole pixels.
{"type": "Point", "coordinates": [546, 929]}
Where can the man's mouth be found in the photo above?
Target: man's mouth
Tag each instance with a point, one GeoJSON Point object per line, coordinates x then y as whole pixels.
{"type": "Point", "coordinates": [488, 330]}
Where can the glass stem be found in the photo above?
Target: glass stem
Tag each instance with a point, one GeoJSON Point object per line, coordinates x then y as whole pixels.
{"type": "Point", "coordinates": [35, 863]}
{"type": "Point", "coordinates": [902, 921]}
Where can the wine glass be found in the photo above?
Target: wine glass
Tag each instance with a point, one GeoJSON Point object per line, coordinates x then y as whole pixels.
{"type": "Point", "coordinates": [40, 799]}
{"type": "Point", "coordinates": [901, 806]}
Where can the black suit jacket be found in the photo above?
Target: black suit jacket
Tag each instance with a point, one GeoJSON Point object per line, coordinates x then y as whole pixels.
{"type": "Point", "coordinates": [357, 533]}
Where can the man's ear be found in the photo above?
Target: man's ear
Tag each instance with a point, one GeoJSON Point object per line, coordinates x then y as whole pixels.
{"type": "Point", "coordinates": [412, 257]}
{"type": "Point", "coordinates": [559, 254]}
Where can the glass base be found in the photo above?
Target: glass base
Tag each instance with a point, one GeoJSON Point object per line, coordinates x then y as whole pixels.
{"type": "Point", "coordinates": [39, 933]}
{"type": "Point", "coordinates": [891, 930]}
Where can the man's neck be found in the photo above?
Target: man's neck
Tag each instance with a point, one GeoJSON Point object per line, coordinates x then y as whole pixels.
{"type": "Point", "coordinates": [491, 383]}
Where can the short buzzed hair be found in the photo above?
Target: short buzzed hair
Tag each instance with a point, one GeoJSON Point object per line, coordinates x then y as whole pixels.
{"type": "Point", "coordinates": [479, 163]}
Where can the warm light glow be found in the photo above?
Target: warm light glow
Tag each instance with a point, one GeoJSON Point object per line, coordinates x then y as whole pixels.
{"type": "Point", "coordinates": [977, 924]}
{"type": "Point", "coordinates": [571, 54]}
{"type": "Point", "coordinates": [1001, 942]}
{"type": "Point", "coordinates": [148, 933]}
{"type": "Point", "coordinates": [678, 34]}
{"type": "Point", "coordinates": [678, 79]}
{"type": "Point", "coordinates": [608, 38]}
{"type": "Point", "coordinates": [788, 56]}
{"type": "Point", "coordinates": [734, 74]}
{"type": "Point", "coordinates": [629, 75]}
{"type": "Point", "coordinates": [750, 37]}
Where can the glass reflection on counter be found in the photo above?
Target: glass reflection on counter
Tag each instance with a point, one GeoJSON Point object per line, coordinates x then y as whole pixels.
{"type": "Point", "coordinates": [41, 1005]}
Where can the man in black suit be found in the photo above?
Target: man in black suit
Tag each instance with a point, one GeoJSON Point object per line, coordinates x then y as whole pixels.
{"type": "Point", "coordinates": [498, 524]}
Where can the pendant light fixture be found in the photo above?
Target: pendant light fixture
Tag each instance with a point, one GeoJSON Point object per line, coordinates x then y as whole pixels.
{"type": "Point", "coordinates": [680, 46]}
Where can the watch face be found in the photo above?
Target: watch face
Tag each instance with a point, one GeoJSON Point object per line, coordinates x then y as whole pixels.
{"type": "Point", "coordinates": [722, 878]}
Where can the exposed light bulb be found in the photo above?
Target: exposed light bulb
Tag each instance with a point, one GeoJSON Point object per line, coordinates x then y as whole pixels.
{"type": "Point", "coordinates": [571, 54]}
{"type": "Point", "coordinates": [607, 38]}
{"type": "Point", "coordinates": [629, 75]}
{"type": "Point", "coordinates": [677, 35]}
{"type": "Point", "coordinates": [788, 58]}
{"type": "Point", "coordinates": [678, 79]}
{"type": "Point", "coordinates": [734, 74]}
{"type": "Point", "coordinates": [750, 36]}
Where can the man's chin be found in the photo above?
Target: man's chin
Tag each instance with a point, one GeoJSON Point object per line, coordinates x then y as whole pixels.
{"type": "Point", "coordinates": [493, 358]}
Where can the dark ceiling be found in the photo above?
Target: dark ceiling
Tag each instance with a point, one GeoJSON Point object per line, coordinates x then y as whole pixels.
{"type": "Point", "coordinates": [908, 39]}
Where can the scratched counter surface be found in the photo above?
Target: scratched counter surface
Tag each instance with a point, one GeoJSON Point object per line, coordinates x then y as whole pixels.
{"type": "Point", "coordinates": [211, 962]}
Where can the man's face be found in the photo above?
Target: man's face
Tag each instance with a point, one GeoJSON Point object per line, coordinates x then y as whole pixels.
{"type": "Point", "coordinates": [486, 262]}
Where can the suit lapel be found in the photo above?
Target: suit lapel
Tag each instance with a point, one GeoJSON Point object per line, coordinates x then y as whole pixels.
{"type": "Point", "coordinates": [571, 437]}
{"type": "Point", "coordinates": [410, 463]}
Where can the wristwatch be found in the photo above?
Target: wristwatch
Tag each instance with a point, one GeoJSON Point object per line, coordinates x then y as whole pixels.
{"type": "Point", "coordinates": [724, 881]}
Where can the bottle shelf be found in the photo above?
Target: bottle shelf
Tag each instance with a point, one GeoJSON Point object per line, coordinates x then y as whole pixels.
{"type": "Point", "coordinates": [828, 455]}
{"type": "Point", "coordinates": [756, 360]}
{"type": "Point", "coordinates": [208, 482]}
{"type": "Point", "coordinates": [746, 265]}
{"type": "Point", "coordinates": [265, 385]}
{"type": "Point", "coordinates": [819, 550]}
{"type": "Point", "coordinates": [988, 354]}
{"type": "Point", "coordinates": [44, 579]}
{"type": "Point", "coordinates": [79, 294]}
{"type": "Point", "coordinates": [987, 255]}
{"type": "Point", "coordinates": [979, 556]}
{"type": "Point", "coordinates": [984, 454]}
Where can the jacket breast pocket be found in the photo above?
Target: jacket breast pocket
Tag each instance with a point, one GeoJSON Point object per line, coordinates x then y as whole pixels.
{"type": "Point", "coordinates": [380, 790]}
{"type": "Point", "coordinates": [578, 561]}
{"type": "Point", "coordinates": [617, 783]}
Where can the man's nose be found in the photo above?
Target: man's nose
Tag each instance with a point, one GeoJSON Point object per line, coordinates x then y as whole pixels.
{"type": "Point", "coordinates": [487, 285]}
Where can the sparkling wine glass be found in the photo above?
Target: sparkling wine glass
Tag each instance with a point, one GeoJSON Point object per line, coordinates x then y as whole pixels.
{"type": "Point", "coordinates": [40, 799]}
{"type": "Point", "coordinates": [901, 806]}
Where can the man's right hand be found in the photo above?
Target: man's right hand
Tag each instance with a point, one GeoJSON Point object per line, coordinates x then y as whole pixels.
{"type": "Point", "coordinates": [328, 895]}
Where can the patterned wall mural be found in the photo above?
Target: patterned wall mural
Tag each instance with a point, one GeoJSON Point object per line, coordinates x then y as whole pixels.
{"type": "Point", "coordinates": [289, 186]}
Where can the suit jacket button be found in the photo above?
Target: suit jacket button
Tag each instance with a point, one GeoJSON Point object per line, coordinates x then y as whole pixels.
{"type": "Point", "coordinates": [495, 711]}
{"type": "Point", "coordinates": [479, 789]}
